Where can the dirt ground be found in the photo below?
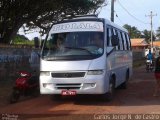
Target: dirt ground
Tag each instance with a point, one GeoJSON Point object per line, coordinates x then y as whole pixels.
{"type": "Point", "coordinates": [136, 99]}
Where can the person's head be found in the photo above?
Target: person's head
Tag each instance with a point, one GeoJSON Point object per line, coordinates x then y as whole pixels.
{"type": "Point", "coordinates": [97, 40]}
{"type": "Point", "coordinates": [59, 41]}
{"type": "Point", "coordinates": [36, 42]}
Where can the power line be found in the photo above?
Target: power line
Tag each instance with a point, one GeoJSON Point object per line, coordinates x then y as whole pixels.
{"type": "Point", "coordinates": [119, 18]}
{"type": "Point", "coordinates": [131, 14]}
{"type": "Point", "coordinates": [132, 3]}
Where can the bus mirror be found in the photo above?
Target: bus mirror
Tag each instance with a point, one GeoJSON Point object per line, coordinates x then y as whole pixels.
{"type": "Point", "coordinates": [115, 41]}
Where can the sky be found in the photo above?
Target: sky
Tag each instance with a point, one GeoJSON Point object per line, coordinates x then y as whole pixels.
{"type": "Point", "coordinates": [134, 13]}
{"type": "Point", "coordinates": [131, 12]}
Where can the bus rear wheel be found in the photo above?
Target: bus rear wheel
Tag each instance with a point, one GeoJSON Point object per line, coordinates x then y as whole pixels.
{"type": "Point", "coordinates": [124, 84]}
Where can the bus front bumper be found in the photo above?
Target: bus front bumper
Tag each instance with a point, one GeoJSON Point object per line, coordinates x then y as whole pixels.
{"type": "Point", "coordinates": [92, 85]}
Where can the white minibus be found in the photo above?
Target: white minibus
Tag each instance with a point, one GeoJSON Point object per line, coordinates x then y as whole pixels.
{"type": "Point", "coordinates": [85, 55]}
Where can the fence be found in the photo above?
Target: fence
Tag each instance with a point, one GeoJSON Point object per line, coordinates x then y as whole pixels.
{"type": "Point", "coordinates": [13, 59]}
{"type": "Point", "coordinates": [138, 55]}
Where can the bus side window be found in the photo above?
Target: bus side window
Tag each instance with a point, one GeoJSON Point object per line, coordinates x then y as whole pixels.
{"type": "Point", "coordinates": [109, 43]}
{"type": "Point", "coordinates": [124, 40]}
{"type": "Point", "coordinates": [127, 41]}
{"type": "Point", "coordinates": [111, 36]}
{"type": "Point", "coordinates": [120, 41]}
{"type": "Point", "coordinates": [115, 33]}
{"type": "Point", "coordinates": [119, 47]}
{"type": "Point", "coordinates": [108, 32]}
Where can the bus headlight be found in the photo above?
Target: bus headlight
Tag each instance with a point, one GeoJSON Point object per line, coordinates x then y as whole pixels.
{"type": "Point", "coordinates": [44, 73]}
{"type": "Point", "coordinates": [95, 72]}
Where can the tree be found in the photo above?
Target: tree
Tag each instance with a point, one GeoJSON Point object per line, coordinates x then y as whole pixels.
{"type": "Point", "coordinates": [39, 13]}
{"type": "Point", "coordinates": [147, 36]}
{"type": "Point", "coordinates": [158, 33]}
{"type": "Point", "coordinates": [133, 31]}
{"type": "Point", "coordinates": [128, 27]}
{"type": "Point", "coordinates": [20, 38]}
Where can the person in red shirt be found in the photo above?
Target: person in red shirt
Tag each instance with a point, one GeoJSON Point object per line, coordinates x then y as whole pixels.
{"type": "Point", "coordinates": [157, 76]}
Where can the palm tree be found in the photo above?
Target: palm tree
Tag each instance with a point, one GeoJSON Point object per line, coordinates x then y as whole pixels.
{"type": "Point", "coordinates": [158, 33]}
{"type": "Point", "coordinates": [147, 35]}
{"type": "Point", "coordinates": [133, 31]}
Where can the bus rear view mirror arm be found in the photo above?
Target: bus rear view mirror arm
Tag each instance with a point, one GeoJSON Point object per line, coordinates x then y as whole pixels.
{"type": "Point", "coordinates": [109, 50]}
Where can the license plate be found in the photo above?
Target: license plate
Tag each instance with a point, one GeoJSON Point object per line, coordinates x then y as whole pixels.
{"type": "Point", "coordinates": [68, 92]}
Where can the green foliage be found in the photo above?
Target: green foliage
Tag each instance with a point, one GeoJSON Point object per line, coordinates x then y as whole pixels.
{"type": "Point", "coordinates": [147, 35]}
{"type": "Point", "coordinates": [158, 33]}
{"type": "Point", "coordinates": [24, 43]}
{"type": "Point", "coordinates": [39, 13]}
{"type": "Point", "coordinates": [133, 31]}
{"type": "Point", "coordinates": [21, 39]}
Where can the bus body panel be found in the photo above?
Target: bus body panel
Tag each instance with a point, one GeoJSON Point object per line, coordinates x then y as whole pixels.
{"type": "Point", "coordinates": [76, 74]}
{"type": "Point", "coordinates": [73, 65]}
{"type": "Point", "coordinates": [85, 83]}
{"type": "Point", "coordinates": [118, 63]}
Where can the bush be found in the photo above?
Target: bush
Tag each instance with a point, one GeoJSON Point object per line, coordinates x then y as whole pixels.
{"type": "Point", "coordinates": [22, 40]}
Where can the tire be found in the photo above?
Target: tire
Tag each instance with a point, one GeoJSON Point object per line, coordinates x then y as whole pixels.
{"type": "Point", "coordinates": [110, 94]}
{"type": "Point", "coordinates": [124, 84]}
{"type": "Point", "coordinates": [14, 96]}
{"type": "Point", "coordinates": [151, 68]}
{"type": "Point", "coordinates": [147, 68]}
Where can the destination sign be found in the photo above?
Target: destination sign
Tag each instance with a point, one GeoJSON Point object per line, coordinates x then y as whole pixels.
{"type": "Point", "coordinates": [77, 26]}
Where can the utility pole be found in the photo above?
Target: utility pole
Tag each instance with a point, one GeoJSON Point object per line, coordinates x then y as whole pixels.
{"type": "Point", "coordinates": [151, 17]}
{"type": "Point", "coordinates": [112, 10]}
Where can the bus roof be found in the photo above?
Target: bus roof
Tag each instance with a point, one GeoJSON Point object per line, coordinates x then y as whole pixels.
{"type": "Point", "coordinates": [115, 25]}
{"type": "Point", "coordinates": [93, 18]}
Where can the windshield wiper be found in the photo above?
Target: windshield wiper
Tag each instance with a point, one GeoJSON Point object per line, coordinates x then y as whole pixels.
{"type": "Point", "coordinates": [80, 49]}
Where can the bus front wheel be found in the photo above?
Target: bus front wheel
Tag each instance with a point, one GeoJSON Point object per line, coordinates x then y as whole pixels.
{"type": "Point", "coordinates": [110, 94]}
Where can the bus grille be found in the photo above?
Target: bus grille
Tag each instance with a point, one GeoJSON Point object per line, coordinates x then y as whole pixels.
{"type": "Point", "coordinates": [68, 86]}
{"type": "Point", "coordinates": [68, 75]}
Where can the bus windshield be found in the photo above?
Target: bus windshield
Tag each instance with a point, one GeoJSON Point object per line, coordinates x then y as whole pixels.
{"type": "Point", "coordinates": [81, 45]}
